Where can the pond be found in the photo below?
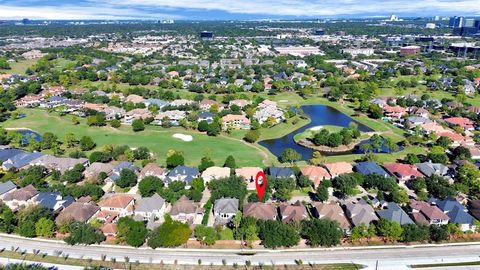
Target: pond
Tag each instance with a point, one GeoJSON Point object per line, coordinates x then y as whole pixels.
{"type": "Point", "coordinates": [27, 134]}
{"type": "Point", "coordinates": [320, 115]}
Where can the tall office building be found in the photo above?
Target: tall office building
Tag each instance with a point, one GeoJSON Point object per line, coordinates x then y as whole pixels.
{"type": "Point", "coordinates": [456, 22]}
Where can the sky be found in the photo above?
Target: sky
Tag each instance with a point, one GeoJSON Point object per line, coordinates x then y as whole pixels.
{"type": "Point", "coordinates": [230, 9]}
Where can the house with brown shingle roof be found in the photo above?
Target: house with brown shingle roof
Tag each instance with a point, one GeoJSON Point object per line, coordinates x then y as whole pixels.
{"type": "Point", "coordinates": [96, 168]}
{"type": "Point", "coordinates": [152, 169]}
{"type": "Point", "coordinates": [78, 211]}
{"type": "Point", "coordinates": [134, 98]}
{"type": "Point", "coordinates": [109, 229]}
{"type": "Point", "coordinates": [263, 211]}
{"type": "Point", "coordinates": [186, 210]}
{"type": "Point", "coordinates": [338, 168]}
{"type": "Point", "coordinates": [427, 214]}
{"type": "Point", "coordinates": [332, 211]}
{"type": "Point", "coordinates": [22, 197]}
{"type": "Point", "coordinates": [316, 174]}
{"type": "Point", "coordinates": [120, 203]}
{"type": "Point", "coordinates": [293, 212]}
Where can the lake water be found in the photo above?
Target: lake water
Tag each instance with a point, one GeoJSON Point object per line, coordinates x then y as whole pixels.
{"type": "Point", "coordinates": [27, 134]}
{"type": "Point", "coordinates": [320, 115]}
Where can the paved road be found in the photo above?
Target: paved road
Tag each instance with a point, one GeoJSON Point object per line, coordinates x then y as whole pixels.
{"type": "Point", "coordinates": [385, 258]}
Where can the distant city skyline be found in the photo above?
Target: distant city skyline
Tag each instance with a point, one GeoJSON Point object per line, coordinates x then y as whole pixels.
{"type": "Point", "coordinates": [229, 9]}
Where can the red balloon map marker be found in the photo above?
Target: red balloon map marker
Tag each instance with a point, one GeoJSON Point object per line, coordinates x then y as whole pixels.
{"type": "Point", "coordinates": [260, 185]}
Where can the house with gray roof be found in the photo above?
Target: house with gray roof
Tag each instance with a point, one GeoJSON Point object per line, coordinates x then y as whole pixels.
{"type": "Point", "coordinates": [280, 172]}
{"type": "Point", "coordinates": [393, 212]}
{"type": "Point", "coordinates": [8, 153]}
{"type": "Point", "coordinates": [418, 120]}
{"type": "Point", "coordinates": [149, 207]}
{"type": "Point", "coordinates": [114, 174]}
{"type": "Point", "coordinates": [184, 174]}
{"type": "Point", "coordinates": [158, 102]}
{"type": "Point", "coordinates": [6, 188]}
{"type": "Point", "coordinates": [21, 160]}
{"type": "Point", "coordinates": [78, 211]}
{"type": "Point", "coordinates": [206, 116]}
{"type": "Point", "coordinates": [457, 213]}
{"type": "Point", "coordinates": [54, 200]}
{"type": "Point", "coordinates": [224, 209]}
{"type": "Point", "coordinates": [429, 169]}
{"type": "Point", "coordinates": [360, 212]}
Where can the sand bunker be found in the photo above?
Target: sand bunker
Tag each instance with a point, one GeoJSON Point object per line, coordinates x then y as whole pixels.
{"type": "Point", "coordinates": [183, 137]}
{"type": "Point", "coordinates": [317, 128]}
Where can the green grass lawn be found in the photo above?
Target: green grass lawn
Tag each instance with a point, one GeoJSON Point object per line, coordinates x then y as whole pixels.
{"type": "Point", "coordinates": [19, 67]}
{"type": "Point", "coordinates": [157, 139]}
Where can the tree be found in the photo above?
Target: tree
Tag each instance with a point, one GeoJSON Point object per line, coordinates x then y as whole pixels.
{"type": "Point", "coordinates": [203, 126]}
{"type": "Point", "coordinates": [391, 230]}
{"type": "Point", "coordinates": [86, 143]}
{"type": "Point", "coordinates": [345, 184]}
{"type": "Point", "coordinates": [375, 111]}
{"type": "Point", "coordinates": [412, 159]}
{"type": "Point", "coordinates": [468, 179]}
{"type": "Point", "coordinates": [8, 220]}
{"type": "Point", "coordinates": [170, 234]}
{"type": "Point", "coordinates": [83, 233]}
{"type": "Point", "coordinates": [44, 227]}
{"type": "Point", "coordinates": [321, 232]}
{"type": "Point", "coordinates": [175, 159]}
{"type": "Point", "coordinates": [462, 153]}
{"type": "Point", "coordinates": [127, 179]}
{"type": "Point", "coordinates": [132, 232]}
{"type": "Point", "coordinates": [26, 228]}
{"type": "Point", "coordinates": [149, 185]}
{"type": "Point", "coordinates": [415, 233]}
{"type": "Point", "coordinates": [206, 235]}
{"type": "Point", "coordinates": [231, 187]}
{"type": "Point", "coordinates": [276, 234]}
{"type": "Point", "coordinates": [138, 125]}
{"type": "Point", "coordinates": [230, 162]}
{"type": "Point", "coordinates": [400, 195]}
{"type": "Point", "coordinates": [444, 142]}
{"type": "Point", "coordinates": [322, 193]}
{"type": "Point", "coordinates": [290, 155]}
{"type": "Point", "coordinates": [205, 163]}
{"type": "Point", "coordinates": [198, 184]}
{"type": "Point", "coordinates": [439, 233]}
{"type": "Point", "coordinates": [70, 140]}
{"type": "Point", "coordinates": [115, 123]}
{"type": "Point", "coordinates": [252, 136]}
{"type": "Point", "coordinates": [303, 181]}
{"type": "Point", "coordinates": [48, 140]}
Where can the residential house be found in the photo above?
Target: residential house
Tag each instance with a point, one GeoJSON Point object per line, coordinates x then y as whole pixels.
{"type": "Point", "coordinates": [29, 101]}
{"type": "Point", "coordinates": [124, 165]}
{"type": "Point", "coordinates": [224, 209]}
{"type": "Point", "coordinates": [292, 212]}
{"type": "Point", "coordinates": [150, 207]}
{"type": "Point", "coordinates": [249, 174]}
{"type": "Point", "coordinates": [184, 174]}
{"type": "Point", "coordinates": [316, 174]}
{"type": "Point", "coordinates": [21, 160]}
{"type": "Point", "coordinates": [332, 211]}
{"type": "Point", "coordinates": [152, 169]}
{"type": "Point", "coordinates": [120, 203]}
{"type": "Point", "coordinates": [181, 102]}
{"type": "Point", "coordinates": [215, 173]}
{"type": "Point", "coordinates": [136, 114]}
{"type": "Point", "coordinates": [262, 211]}
{"type": "Point", "coordinates": [368, 167]}
{"type": "Point", "coordinates": [393, 212]}
{"type": "Point", "coordinates": [78, 211]}
{"type": "Point", "coordinates": [360, 212]}
{"type": "Point", "coordinates": [457, 139]}
{"type": "Point", "coordinates": [403, 172]}
{"type": "Point", "coordinates": [207, 104]}
{"type": "Point", "coordinates": [394, 112]}
{"type": "Point", "coordinates": [434, 127]}
{"type": "Point", "coordinates": [427, 214]}
{"type": "Point", "coordinates": [157, 102]}
{"type": "Point", "coordinates": [206, 116]}
{"type": "Point", "coordinates": [173, 116]}
{"type": "Point", "coordinates": [280, 172]}
{"type": "Point", "coordinates": [112, 112]}
{"type": "Point", "coordinates": [6, 188]}
{"type": "Point", "coordinates": [54, 201]}
{"type": "Point", "coordinates": [338, 168]}
{"type": "Point", "coordinates": [239, 102]}
{"type": "Point", "coordinates": [187, 211]}
{"type": "Point", "coordinates": [60, 164]}
{"type": "Point", "coordinates": [7, 153]}
{"type": "Point", "coordinates": [429, 169]}
{"type": "Point", "coordinates": [464, 123]}
{"type": "Point", "coordinates": [418, 121]}
{"type": "Point", "coordinates": [457, 213]}
{"type": "Point", "coordinates": [134, 99]}
{"type": "Point", "coordinates": [475, 208]}
{"type": "Point", "coordinates": [96, 168]}
{"type": "Point", "coordinates": [22, 197]}
{"type": "Point", "coordinates": [235, 121]}
{"type": "Point", "coordinates": [269, 113]}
